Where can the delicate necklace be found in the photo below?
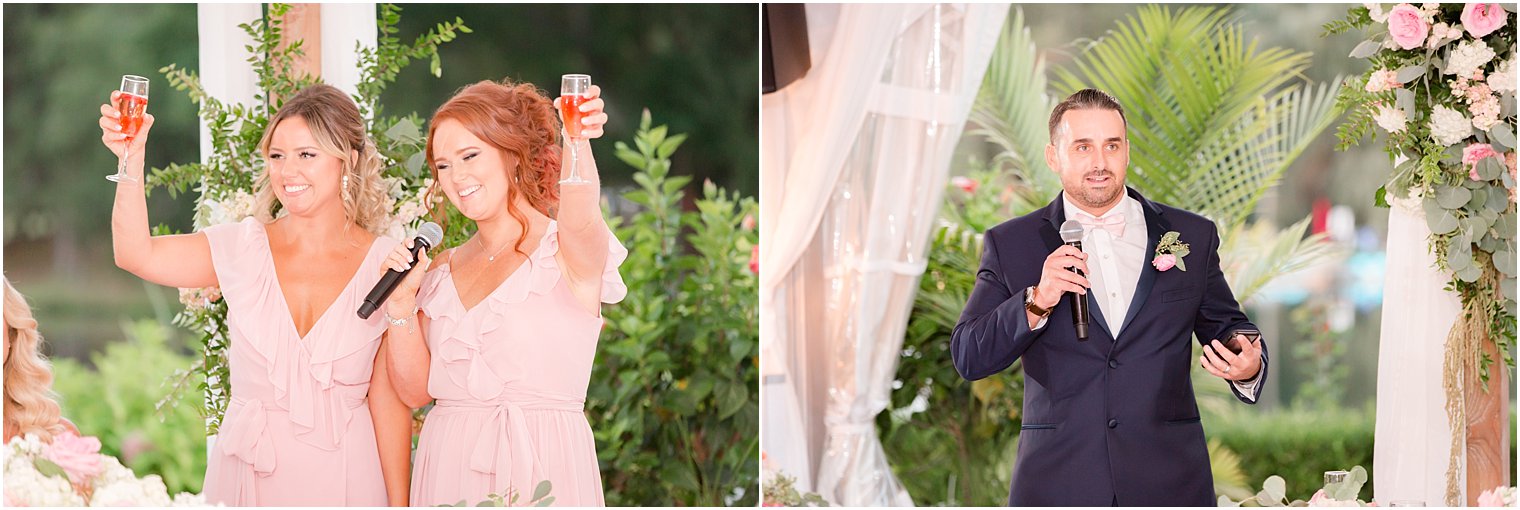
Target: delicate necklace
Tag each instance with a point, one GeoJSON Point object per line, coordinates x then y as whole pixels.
{"type": "Point", "coordinates": [483, 248]}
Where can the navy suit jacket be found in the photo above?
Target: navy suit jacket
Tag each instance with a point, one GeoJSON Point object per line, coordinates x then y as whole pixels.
{"type": "Point", "coordinates": [1106, 420]}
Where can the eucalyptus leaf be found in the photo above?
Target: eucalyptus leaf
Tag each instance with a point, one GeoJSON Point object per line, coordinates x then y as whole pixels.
{"type": "Point", "coordinates": [1506, 225]}
{"type": "Point", "coordinates": [1365, 49]}
{"type": "Point", "coordinates": [1478, 200]}
{"type": "Point", "coordinates": [1452, 197]}
{"type": "Point", "coordinates": [1504, 261]}
{"type": "Point", "coordinates": [1489, 168]}
{"type": "Point", "coordinates": [1457, 260]}
{"type": "Point", "coordinates": [1444, 223]}
{"type": "Point", "coordinates": [1497, 199]}
{"type": "Point", "coordinates": [1404, 99]}
{"type": "Point", "coordinates": [1502, 134]}
{"type": "Point", "coordinates": [1410, 73]}
{"type": "Point", "coordinates": [541, 490]}
{"type": "Point", "coordinates": [1469, 274]}
{"type": "Point", "coordinates": [1507, 287]}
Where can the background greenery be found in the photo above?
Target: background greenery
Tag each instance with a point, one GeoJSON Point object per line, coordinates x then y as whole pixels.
{"type": "Point", "coordinates": [671, 400]}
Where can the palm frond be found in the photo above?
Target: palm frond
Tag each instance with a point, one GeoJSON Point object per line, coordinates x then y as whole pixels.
{"type": "Point", "coordinates": [1213, 119]}
{"type": "Point", "coordinates": [1258, 254]}
{"type": "Point", "coordinates": [1011, 111]}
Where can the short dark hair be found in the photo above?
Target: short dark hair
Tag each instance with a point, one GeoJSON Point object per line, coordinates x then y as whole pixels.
{"type": "Point", "coordinates": [1085, 99]}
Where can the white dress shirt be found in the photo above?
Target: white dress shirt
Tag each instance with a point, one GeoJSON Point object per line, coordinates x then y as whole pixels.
{"type": "Point", "coordinates": [1114, 265]}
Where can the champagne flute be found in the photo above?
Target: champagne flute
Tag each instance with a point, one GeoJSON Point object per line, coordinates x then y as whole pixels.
{"type": "Point", "coordinates": [131, 104]}
{"type": "Point", "coordinates": [572, 91]}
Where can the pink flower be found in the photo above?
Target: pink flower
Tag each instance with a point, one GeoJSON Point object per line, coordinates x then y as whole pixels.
{"type": "Point", "coordinates": [1482, 19]}
{"type": "Point", "coordinates": [1382, 80]}
{"type": "Point", "coordinates": [966, 184]}
{"type": "Point", "coordinates": [1475, 153]}
{"type": "Point", "coordinates": [748, 223]}
{"type": "Point", "coordinates": [1407, 27]}
{"type": "Point", "coordinates": [1497, 496]}
{"type": "Point", "coordinates": [1319, 498]}
{"type": "Point", "coordinates": [754, 260]}
{"type": "Point", "coordinates": [78, 456]}
{"type": "Point", "coordinates": [1164, 262]}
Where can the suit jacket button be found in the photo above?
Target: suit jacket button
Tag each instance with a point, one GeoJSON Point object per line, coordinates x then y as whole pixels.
{"type": "Point", "coordinates": [1113, 363]}
{"type": "Point", "coordinates": [1113, 423]}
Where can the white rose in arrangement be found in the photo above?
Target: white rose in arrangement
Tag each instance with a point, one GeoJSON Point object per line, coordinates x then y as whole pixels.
{"type": "Point", "coordinates": [149, 491]}
{"type": "Point", "coordinates": [1468, 58]}
{"type": "Point", "coordinates": [1391, 120]}
{"type": "Point", "coordinates": [1448, 127]}
{"type": "Point", "coordinates": [1502, 80]}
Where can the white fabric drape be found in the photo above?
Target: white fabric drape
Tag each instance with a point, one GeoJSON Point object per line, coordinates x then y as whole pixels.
{"type": "Point", "coordinates": [867, 137]}
{"type": "Point", "coordinates": [1413, 446]}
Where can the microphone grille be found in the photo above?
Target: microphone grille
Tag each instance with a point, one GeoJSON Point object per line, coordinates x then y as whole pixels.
{"type": "Point", "coordinates": [1071, 231]}
{"type": "Point", "coordinates": [431, 232]}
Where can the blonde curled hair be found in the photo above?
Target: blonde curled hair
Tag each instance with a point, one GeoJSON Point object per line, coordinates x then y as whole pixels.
{"type": "Point", "coordinates": [335, 123]}
{"type": "Point", "coordinates": [31, 407]}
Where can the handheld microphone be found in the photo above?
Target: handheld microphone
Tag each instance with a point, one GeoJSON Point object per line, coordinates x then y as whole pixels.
{"type": "Point", "coordinates": [428, 236]}
{"type": "Point", "coordinates": [1071, 234]}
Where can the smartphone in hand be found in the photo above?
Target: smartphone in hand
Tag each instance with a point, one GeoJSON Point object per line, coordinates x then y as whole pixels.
{"type": "Point", "coordinates": [1234, 345]}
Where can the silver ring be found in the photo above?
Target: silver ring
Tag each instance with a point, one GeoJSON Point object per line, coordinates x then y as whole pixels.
{"type": "Point", "coordinates": [1226, 369]}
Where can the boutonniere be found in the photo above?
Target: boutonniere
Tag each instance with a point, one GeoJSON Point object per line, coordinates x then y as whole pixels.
{"type": "Point", "coordinates": [1170, 251]}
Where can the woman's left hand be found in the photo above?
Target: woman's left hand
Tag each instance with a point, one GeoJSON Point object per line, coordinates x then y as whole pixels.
{"type": "Point", "coordinates": [592, 116]}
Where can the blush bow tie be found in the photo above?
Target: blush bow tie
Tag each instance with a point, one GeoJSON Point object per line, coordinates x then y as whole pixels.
{"type": "Point", "coordinates": [1114, 223]}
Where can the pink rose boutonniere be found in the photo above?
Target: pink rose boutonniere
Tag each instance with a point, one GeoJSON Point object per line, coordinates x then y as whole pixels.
{"type": "Point", "coordinates": [1407, 27]}
{"type": "Point", "coordinates": [1170, 252]}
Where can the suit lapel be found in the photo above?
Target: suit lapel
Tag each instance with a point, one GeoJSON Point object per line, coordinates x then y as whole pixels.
{"type": "Point", "coordinates": [1055, 213]}
{"type": "Point", "coordinates": [1155, 226]}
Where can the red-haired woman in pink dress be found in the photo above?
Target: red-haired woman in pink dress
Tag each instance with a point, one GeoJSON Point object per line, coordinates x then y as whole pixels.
{"type": "Point", "coordinates": [510, 318]}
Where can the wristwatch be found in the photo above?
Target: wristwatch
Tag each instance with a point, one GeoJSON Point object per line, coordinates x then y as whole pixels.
{"type": "Point", "coordinates": [1029, 304]}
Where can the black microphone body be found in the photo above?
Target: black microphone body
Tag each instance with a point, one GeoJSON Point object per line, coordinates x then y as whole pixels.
{"type": "Point", "coordinates": [1071, 234]}
{"type": "Point", "coordinates": [427, 236]}
{"type": "Point", "coordinates": [1079, 312]}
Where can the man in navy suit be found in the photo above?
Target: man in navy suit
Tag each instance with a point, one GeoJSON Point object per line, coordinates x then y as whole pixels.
{"type": "Point", "coordinates": [1110, 420]}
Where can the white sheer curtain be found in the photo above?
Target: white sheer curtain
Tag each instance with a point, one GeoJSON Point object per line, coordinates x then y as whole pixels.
{"type": "Point", "coordinates": [869, 132]}
{"type": "Point", "coordinates": [1413, 446]}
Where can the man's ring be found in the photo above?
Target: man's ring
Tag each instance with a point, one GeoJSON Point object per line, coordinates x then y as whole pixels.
{"type": "Point", "coordinates": [1226, 369]}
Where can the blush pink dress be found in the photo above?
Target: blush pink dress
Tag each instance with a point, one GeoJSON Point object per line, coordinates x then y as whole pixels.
{"type": "Point", "coordinates": [510, 378]}
{"type": "Point", "coordinates": [297, 431]}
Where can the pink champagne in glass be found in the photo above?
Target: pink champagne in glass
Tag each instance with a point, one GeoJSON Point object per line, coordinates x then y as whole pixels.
{"type": "Point", "coordinates": [130, 103]}
{"type": "Point", "coordinates": [572, 93]}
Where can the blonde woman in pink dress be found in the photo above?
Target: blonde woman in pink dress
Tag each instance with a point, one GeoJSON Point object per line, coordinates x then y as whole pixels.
{"type": "Point", "coordinates": [312, 419]}
{"type": "Point", "coordinates": [509, 319]}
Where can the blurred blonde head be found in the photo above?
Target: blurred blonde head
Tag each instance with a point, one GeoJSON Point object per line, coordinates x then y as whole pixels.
{"type": "Point", "coordinates": [335, 124]}
{"type": "Point", "coordinates": [30, 405]}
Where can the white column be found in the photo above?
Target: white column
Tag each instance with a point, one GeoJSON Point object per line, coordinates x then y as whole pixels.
{"type": "Point", "coordinates": [224, 69]}
{"type": "Point", "coordinates": [344, 27]}
{"type": "Point", "coordinates": [225, 72]}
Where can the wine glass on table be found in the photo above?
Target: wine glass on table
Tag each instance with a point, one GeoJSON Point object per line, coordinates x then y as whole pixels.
{"type": "Point", "coordinates": [572, 90]}
{"type": "Point", "coordinates": [130, 103]}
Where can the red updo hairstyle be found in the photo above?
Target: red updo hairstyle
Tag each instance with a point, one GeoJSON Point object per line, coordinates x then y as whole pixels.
{"type": "Point", "coordinates": [519, 120]}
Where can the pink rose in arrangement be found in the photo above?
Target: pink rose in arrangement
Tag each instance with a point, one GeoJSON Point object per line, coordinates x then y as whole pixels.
{"type": "Point", "coordinates": [1164, 262]}
{"type": "Point", "coordinates": [1407, 28]}
{"type": "Point", "coordinates": [754, 260]}
{"type": "Point", "coordinates": [966, 184]}
{"type": "Point", "coordinates": [78, 456]}
{"type": "Point", "coordinates": [1475, 153]}
{"type": "Point", "coordinates": [1483, 19]}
